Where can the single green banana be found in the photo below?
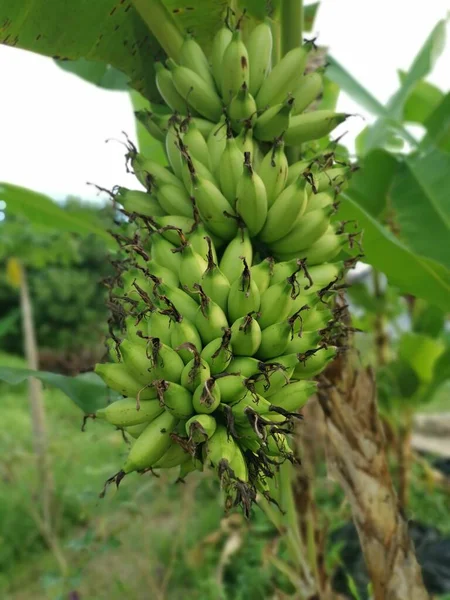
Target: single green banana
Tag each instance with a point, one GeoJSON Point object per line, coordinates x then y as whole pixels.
{"type": "Point", "coordinates": [210, 318]}
{"type": "Point", "coordinates": [118, 378]}
{"type": "Point", "coordinates": [312, 126]}
{"type": "Point", "coordinates": [185, 305]}
{"type": "Point", "coordinates": [161, 362]}
{"type": "Point", "coordinates": [308, 89]}
{"type": "Point", "coordinates": [218, 353]}
{"type": "Point", "coordinates": [231, 387]}
{"type": "Point", "coordinates": [244, 296]}
{"type": "Point", "coordinates": [313, 365]}
{"type": "Point", "coordinates": [275, 338]}
{"type": "Point", "coordinates": [274, 171]}
{"type": "Point", "coordinates": [274, 121]}
{"type": "Point", "coordinates": [230, 263]}
{"type": "Point", "coordinates": [200, 428]}
{"type": "Point", "coordinates": [294, 396]}
{"type": "Point", "coordinates": [170, 226]}
{"type": "Point", "coordinates": [206, 397]}
{"type": "Point", "coordinates": [220, 447]}
{"type": "Point", "coordinates": [262, 273]}
{"type": "Point", "coordinates": [245, 336]}
{"type": "Point", "coordinates": [259, 46]}
{"type": "Point", "coordinates": [327, 247]}
{"type": "Point", "coordinates": [299, 344]}
{"type": "Point", "coordinates": [196, 145]}
{"type": "Point", "coordinates": [214, 209]}
{"type": "Point", "coordinates": [199, 94]}
{"type": "Point", "coordinates": [216, 142]}
{"type": "Point", "coordinates": [150, 172]}
{"type": "Point", "coordinates": [272, 376]}
{"type": "Point", "coordinates": [320, 200]}
{"type": "Point", "coordinates": [152, 444]}
{"type": "Point", "coordinates": [136, 430]}
{"type": "Point", "coordinates": [191, 166]}
{"type": "Point", "coordinates": [230, 169]}
{"type": "Point", "coordinates": [157, 125]}
{"type": "Point", "coordinates": [296, 170]}
{"type": "Point", "coordinates": [214, 283]}
{"type": "Point", "coordinates": [158, 326]}
{"type": "Point", "coordinates": [205, 126]}
{"type": "Point", "coordinates": [168, 91]}
{"type": "Point", "coordinates": [193, 57]}
{"type": "Point", "coordinates": [173, 457]}
{"type": "Point", "coordinates": [141, 203]}
{"type": "Point", "coordinates": [308, 229]}
{"type": "Point", "coordinates": [176, 399]}
{"type": "Point", "coordinates": [283, 78]}
{"type": "Point", "coordinates": [192, 267]}
{"type": "Point", "coordinates": [332, 180]}
{"type": "Point", "coordinates": [198, 240]}
{"type": "Point", "coordinates": [172, 148]}
{"type": "Point", "coordinates": [161, 252]}
{"type": "Point", "coordinates": [242, 110]}
{"type": "Point", "coordinates": [238, 465]}
{"type": "Point", "coordinates": [277, 301]}
{"type": "Point", "coordinates": [183, 331]}
{"type": "Point", "coordinates": [195, 372]}
{"type": "Point", "coordinates": [220, 43]}
{"type": "Point", "coordinates": [124, 412]}
{"type": "Point", "coordinates": [244, 365]}
{"type": "Point", "coordinates": [235, 67]}
{"type": "Point", "coordinates": [251, 203]}
{"type": "Point", "coordinates": [284, 212]}
{"type": "Point", "coordinates": [251, 401]}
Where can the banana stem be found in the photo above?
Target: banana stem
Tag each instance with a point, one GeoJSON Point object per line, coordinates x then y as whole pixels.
{"type": "Point", "coordinates": [162, 25]}
{"type": "Point", "coordinates": [291, 25]}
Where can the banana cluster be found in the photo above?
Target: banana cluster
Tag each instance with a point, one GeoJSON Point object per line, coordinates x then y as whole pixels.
{"type": "Point", "coordinates": [222, 302]}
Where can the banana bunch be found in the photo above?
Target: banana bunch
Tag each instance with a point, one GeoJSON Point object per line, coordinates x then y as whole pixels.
{"type": "Point", "coordinates": [223, 299]}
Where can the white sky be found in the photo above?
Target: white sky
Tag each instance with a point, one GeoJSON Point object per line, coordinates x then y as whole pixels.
{"type": "Point", "coordinates": [53, 126]}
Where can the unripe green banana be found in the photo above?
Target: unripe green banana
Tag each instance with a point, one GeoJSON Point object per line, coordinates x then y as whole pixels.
{"type": "Point", "coordinates": [184, 304]}
{"type": "Point", "coordinates": [113, 351]}
{"type": "Point", "coordinates": [220, 43]}
{"type": "Point", "coordinates": [199, 94]}
{"type": "Point", "coordinates": [284, 212]}
{"type": "Point", "coordinates": [161, 252]}
{"type": "Point", "coordinates": [230, 169]}
{"type": "Point", "coordinates": [320, 200]}
{"type": "Point", "coordinates": [314, 364]}
{"type": "Point", "coordinates": [193, 57]}
{"type": "Point", "coordinates": [171, 146]}
{"type": "Point", "coordinates": [299, 344]}
{"type": "Point", "coordinates": [262, 273]}
{"type": "Point", "coordinates": [205, 126]}
{"type": "Point", "coordinates": [150, 172]}
{"type": "Point", "coordinates": [238, 465]}
{"type": "Point", "coordinates": [244, 365]}
{"type": "Point", "coordinates": [242, 110]}
{"type": "Point", "coordinates": [277, 445]}
{"type": "Point", "coordinates": [248, 439]}
{"type": "Point", "coordinates": [214, 208]}
{"type": "Point", "coordinates": [188, 467]}
{"type": "Point", "coordinates": [198, 240]}
{"type": "Point", "coordinates": [214, 283]}
{"type": "Point", "coordinates": [277, 301]}
{"type": "Point", "coordinates": [216, 142]}
{"type": "Point", "coordinates": [308, 229]}
{"type": "Point", "coordinates": [274, 171]}
{"type": "Point", "coordinates": [162, 362]}
{"type": "Point", "coordinates": [134, 328]}
{"type": "Point", "coordinates": [314, 320]}
{"type": "Point", "coordinates": [272, 376]}
{"type": "Point", "coordinates": [170, 226]}
{"type": "Point", "coordinates": [294, 396]}
{"type": "Point", "coordinates": [152, 444]}
{"type": "Point", "coordinates": [168, 91]}
{"type": "Point", "coordinates": [326, 247]}
{"type": "Point", "coordinates": [231, 387]}
{"type": "Point", "coordinates": [183, 331]}
{"type": "Point", "coordinates": [142, 203]}
{"type": "Point", "coordinates": [245, 336]}
{"type": "Point", "coordinates": [274, 121]}
{"type": "Point", "coordinates": [191, 165]}
{"type": "Point", "coordinates": [255, 402]}
{"type": "Point", "coordinates": [231, 263]}
{"type": "Point", "coordinates": [196, 145]}
{"type": "Point", "coordinates": [235, 67]}
{"type": "Point", "coordinates": [332, 180]}
{"type": "Point", "coordinates": [158, 326]}
{"type": "Point", "coordinates": [251, 202]}
{"type": "Point", "coordinates": [260, 54]}
{"type": "Point", "coordinates": [118, 378]}
{"type": "Point", "coordinates": [275, 338]}
{"type": "Point", "coordinates": [245, 141]}
{"type": "Point", "coordinates": [173, 457]}
{"type": "Point", "coordinates": [244, 296]}
{"type": "Point", "coordinates": [308, 89]}
{"type": "Point", "coordinates": [206, 397]}
{"type": "Point", "coordinates": [210, 318]}
{"type": "Point", "coordinates": [124, 413]}
{"type": "Point", "coordinates": [200, 428]}
{"type": "Point", "coordinates": [192, 267]}
{"type": "Point", "coordinates": [312, 126]}
{"type": "Point", "coordinates": [296, 170]}
{"type": "Point", "coordinates": [196, 372]}
{"type": "Point", "coordinates": [218, 353]}
{"type": "Point", "coordinates": [220, 447]}
{"type": "Point", "coordinates": [282, 80]}
{"type": "Point", "coordinates": [175, 398]}
{"type": "Point", "coordinates": [157, 125]}
{"type": "Point", "coordinates": [136, 430]}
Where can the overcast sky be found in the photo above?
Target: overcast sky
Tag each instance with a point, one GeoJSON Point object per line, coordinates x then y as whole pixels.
{"type": "Point", "coordinates": [53, 126]}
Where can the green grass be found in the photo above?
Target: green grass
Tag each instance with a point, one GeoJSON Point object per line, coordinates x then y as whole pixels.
{"type": "Point", "coordinates": [169, 540]}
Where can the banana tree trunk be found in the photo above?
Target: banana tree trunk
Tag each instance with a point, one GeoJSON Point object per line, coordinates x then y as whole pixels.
{"type": "Point", "coordinates": [356, 458]}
